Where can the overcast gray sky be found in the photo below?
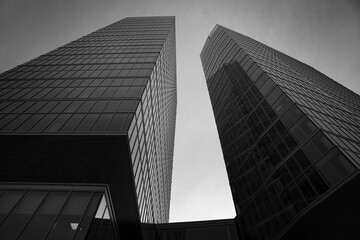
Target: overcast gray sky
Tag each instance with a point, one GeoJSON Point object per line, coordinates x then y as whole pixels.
{"type": "Point", "coordinates": [324, 34]}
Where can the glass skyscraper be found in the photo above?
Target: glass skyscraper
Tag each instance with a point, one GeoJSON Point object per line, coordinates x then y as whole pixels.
{"type": "Point", "coordinates": [290, 138]}
{"type": "Point", "coordinates": [87, 135]}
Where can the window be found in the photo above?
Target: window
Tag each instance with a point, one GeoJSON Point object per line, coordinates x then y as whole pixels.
{"type": "Point", "coordinates": [18, 218]}
{"type": "Point", "coordinates": [42, 221]}
{"type": "Point", "coordinates": [102, 122]}
{"type": "Point", "coordinates": [335, 167]}
{"type": "Point", "coordinates": [117, 122]}
{"type": "Point", "coordinates": [72, 123]}
{"type": "Point", "coordinates": [302, 129]}
{"type": "Point", "coordinates": [316, 147]}
{"type": "Point", "coordinates": [70, 216]}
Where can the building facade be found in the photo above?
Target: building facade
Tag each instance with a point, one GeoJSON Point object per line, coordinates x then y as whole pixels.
{"type": "Point", "coordinates": [290, 138]}
{"type": "Point", "coordinates": [87, 135]}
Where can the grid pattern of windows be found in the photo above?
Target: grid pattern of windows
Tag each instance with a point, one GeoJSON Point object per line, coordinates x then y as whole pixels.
{"type": "Point", "coordinates": [120, 79]}
{"type": "Point", "coordinates": [151, 137]}
{"type": "Point", "coordinates": [281, 157]}
{"type": "Point", "coordinates": [43, 212]}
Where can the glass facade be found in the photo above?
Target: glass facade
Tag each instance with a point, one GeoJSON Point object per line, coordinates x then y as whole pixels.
{"type": "Point", "coordinates": [119, 81]}
{"type": "Point", "coordinates": [53, 212]}
{"type": "Point", "coordinates": [289, 134]}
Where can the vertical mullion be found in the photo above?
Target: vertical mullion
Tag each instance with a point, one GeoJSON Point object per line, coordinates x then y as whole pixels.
{"type": "Point", "coordinates": [102, 217]}
{"type": "Point", "coordinates": [82, 217]}
{"type": "Point", "coordinates": [41, 203]}
{"type": "Point", "coordinates": [112, 218]}
{"type": "Point", "coordinates": [67, 198]}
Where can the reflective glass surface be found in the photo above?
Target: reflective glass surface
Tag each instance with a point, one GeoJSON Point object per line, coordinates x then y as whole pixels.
{"type": "Point", "coordinates": [280, 159]}
{"type": "Point", "coordinates": [100, 84]}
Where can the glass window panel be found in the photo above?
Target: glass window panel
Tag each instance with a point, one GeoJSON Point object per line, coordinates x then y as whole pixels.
{"type": "Point", "coordinates": [73, 107]}
{"type": "Point", "coordinates": [112, 106]}
{"type": "Point", "coordinates": [67, 223]}
{"type": "Point", "coordinates": [125, 106]}
{"type": "Point", "coordinates": [117, 122]}
{"type": "Point", "coordinates": [293, 167]}
{"type": "Point", "coordinates": [88, 217]}
{"type": "Point", "coordinates": [109, 92]}
{"type": "Point", "coordinates": [87, 122]}
{"type": "Point", "coordinates": [56, 83]}
{"type": "Point", "coordinates": [76, 83]}
{"type": "Point", "coordinates": [133, 92]}
{"type": "Point", "coordinates": [25, 126]}
{"type": "Point", "coordinates": [291, 116]}
{"type": "Point", "coordinates": [18, 218]}
{"type": "Point", "coordinates": [317, 181]}
{"type": "Point", "coordinates": [117, 82]}
{"type": "Point", "coordinates": [4, 105]}
{"type": "Point", "coordinates": [43, 93]}
{"type": "Point", "coordinates": [60, 107]}
{"type": "Point", "coordinates": [282, 104]}
{"type": "Point", "coordinates": [274, 95]}
{"type": "Point", "coordinates": [99, 106]}
{"type": "Point", "coordinates": [334, 167]}
{"type": "Point", "coordinates": [96, 82]}
{"type": "Point", "coordinates": [86, 106]}
{"type": "Point", "coordinates": [58, 122]}
{"type": "Point", "coordinates": [306, 189]}
{"type": "Point", "coordinates": [98, 92]}
{"type": "Point", "coordinates": [53, 93]}
{"type": "Point", "coordinates": [5, 120]}
{"type": "Point", "coordinates": [135, 105]}
{"type": "Point", "coordinates": [121, 92]}
{"type": "Point", "coordinates": [31, 93]}
{"type": "Point", "coordinates": [126, 125]}
{"type": "Point", "coordinates": [106, 82]}
{"type": "Point", "coordinates": [34, 108]}
{"type": "Point", "coordinates": [72, 123]}
{"type": "Point", "coordinates": [256, 74]}
{"type": "Point", "coordinates": [102, 122]}
{"type": "Point", "coordinates": [296, 197]}
{"type": "Point", "coordinates": [23, 107]}
{"type": "Point", "coordinates": [65, 83]}
{"type": "Point", "coordinates": [317, 146]}
{"type": "Point", "coordinates": [16, 122]}
{"type": "Point", "coordinates": [140, 81]}
{"type": "Point", "coordinates": [11, 107]}
{"type": "Point", "coordinates": [248, 64]}
{"type": "Point", "coordinates": [86, 93]}
{"type": "Point", "coordinates": [21, 93]}
{"type": "Point", "coordinates": [7, 201]}
{"type": "Point", "coordinates": [86, 83]}
{"type": "Point", "coordinates": [301, 159]}
{"type": "Point", "coordinates": [302, 129]}
{"type": "Point", "coordinates": [75, 93]}
{"type": "Point", "coordinates": [43, 123]}
{"type": "Point", "coordinates": [64, 93]}
{"type": "Point", "coordinates": [46, 108]}
{"type": "Point", "coordinates": [127, 81]}
{"type": "Point", "coordinates": [266, 88]}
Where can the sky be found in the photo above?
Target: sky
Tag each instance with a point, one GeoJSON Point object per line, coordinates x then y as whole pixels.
{"type": "Point", "coordinates": [324, 34]}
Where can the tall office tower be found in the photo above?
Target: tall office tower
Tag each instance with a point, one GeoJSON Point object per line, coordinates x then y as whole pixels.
{"type": "Point", "coordinates": [290, 138]}
{"type": "Point", "coordinates": [87, 135]}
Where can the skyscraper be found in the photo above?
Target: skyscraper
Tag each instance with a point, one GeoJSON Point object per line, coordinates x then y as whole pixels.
{"type": "Point", "coordinates": [87, 135]}
{"type": "Point", "coordinates": [290, 138]}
